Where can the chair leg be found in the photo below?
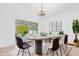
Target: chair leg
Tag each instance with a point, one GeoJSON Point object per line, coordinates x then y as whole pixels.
{"type": "Point", "coordinates": [18, 52]}
{"type": "Point", "coordinates": [47, 52]}
{"type": "Point", "coordinates": [63, 47]}
{"type": "Point", "coordinates": [66, 47]}
{"type": "Point", "coordinates": [57, 53]}
{"type": "Point", "coordinates": [61, 50]}
{"type": "Point", "coordinates": [29, 52]}
{"type": "Point", "coordinates": [23, 52]}
{"type": "Point", "coordinates": [53, 53]}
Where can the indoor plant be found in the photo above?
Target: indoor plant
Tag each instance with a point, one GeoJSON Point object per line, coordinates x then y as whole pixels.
{"type": "Point", "coordinates": [75, 28]}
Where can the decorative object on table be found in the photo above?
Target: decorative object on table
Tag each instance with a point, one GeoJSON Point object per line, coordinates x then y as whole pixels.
{"type": "Point", "coordinates": [75, 28]}
{"type": "Point", "coordinates": [50, 32]}
{"type": "Point", "coordinates": [61, 32]}
{"type": "Point", "coordinates": [30, 32]}
{"type": "Point", "coordinates": [43, 34]}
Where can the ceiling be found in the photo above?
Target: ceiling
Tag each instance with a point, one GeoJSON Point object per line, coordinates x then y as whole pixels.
{"type": "Point", "coordinates": [52, 8]}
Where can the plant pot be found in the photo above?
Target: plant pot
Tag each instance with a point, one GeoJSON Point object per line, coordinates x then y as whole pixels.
{"type": "Point", "coordinates": [75, 40]}
{"type": "Point", "coordinates": [76, 44]}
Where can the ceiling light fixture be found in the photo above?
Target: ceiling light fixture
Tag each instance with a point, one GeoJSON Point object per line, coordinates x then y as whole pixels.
{"type": "Point", "coordinates": [41, 11]}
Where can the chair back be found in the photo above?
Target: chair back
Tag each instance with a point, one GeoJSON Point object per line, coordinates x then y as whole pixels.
{"type": "Point", "coordinates": [61, 41]}
{"type": "Point", "coordinates": [66, 39]}
{"type": "Point", "coordinates": [55, 45]}
{"type": "Point", "coordinates": [19, 42]}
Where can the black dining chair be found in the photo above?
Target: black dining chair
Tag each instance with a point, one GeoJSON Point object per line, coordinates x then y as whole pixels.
{"type": "Point", "coordinates": [23, 47]}
{"type": "Point", "coordinates": [55, 46]}
{"type": "Point", "coordinates": [66, 42]}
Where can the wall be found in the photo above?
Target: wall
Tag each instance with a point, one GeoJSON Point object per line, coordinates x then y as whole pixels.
{"type": "Point", "coordinates": [55, 12]}
{"type": "Point", "coordinates": [8, 14]}
{"type": "Point", "coordinates": [66, 18]}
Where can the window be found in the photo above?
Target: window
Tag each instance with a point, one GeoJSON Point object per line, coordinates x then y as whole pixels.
{"type": "Point", "coordinates": [26, 27]}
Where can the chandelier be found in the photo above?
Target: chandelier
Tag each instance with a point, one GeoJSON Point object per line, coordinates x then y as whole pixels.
{"type": "Point", "coordinates": [41, 11]}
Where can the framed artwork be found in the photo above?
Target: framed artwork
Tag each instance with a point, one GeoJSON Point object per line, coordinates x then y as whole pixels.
{"type": "Point", "coordinates": [55, 26]}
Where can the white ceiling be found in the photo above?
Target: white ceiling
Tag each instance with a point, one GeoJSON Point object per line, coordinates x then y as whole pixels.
{"type": "Point", "coordinates": [52, 8]}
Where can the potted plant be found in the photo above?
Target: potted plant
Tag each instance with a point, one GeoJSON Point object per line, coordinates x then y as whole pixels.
{"type": "Point", "coordinates": [75, 28]}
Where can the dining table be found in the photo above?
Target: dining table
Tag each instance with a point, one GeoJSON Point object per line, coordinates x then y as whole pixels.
{"type": "Point", "coordinates": [38, 41]}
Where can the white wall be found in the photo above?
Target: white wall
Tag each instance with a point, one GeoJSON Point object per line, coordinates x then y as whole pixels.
{"type": "Point", "coordinates": [66, 18]}
{"type": "Point", "coordinates": [8, 14]}
{"type": "Point", "coordinates": [65, 12]}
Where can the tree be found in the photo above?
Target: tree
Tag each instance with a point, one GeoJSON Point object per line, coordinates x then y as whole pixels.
{"type": "Point", "coordinates": [22, 29]}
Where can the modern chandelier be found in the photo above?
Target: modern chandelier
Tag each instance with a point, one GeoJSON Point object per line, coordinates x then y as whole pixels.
{"type": "Point", "coordinates": [41, 11]}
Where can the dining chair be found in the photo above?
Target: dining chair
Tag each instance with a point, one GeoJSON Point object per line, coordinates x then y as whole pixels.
{"type": "Point", "coordinates": [23, 47]}
{"type": "Point", "coordinates": [63, 44]}
{"type": "Point", "coordinates": [66, 42]}
{"type": "Point", "coordinates": [54, 48]}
